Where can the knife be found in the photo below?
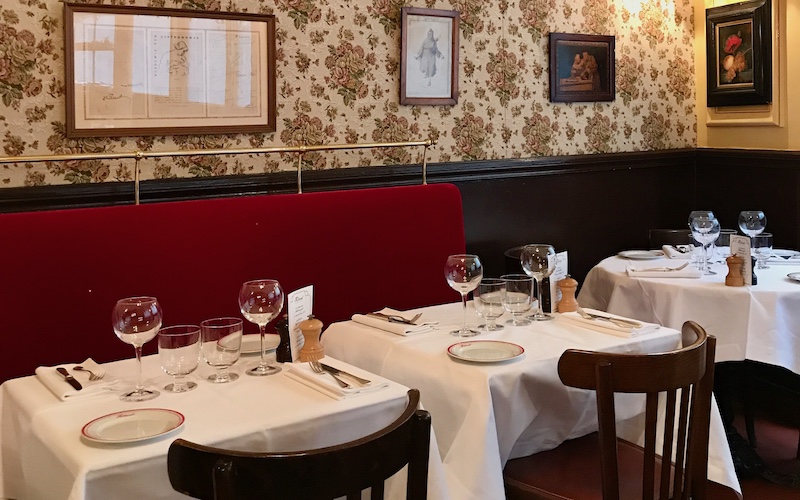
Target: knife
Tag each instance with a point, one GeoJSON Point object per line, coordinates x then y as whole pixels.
{"type": "Point", "coordinates": [69, 378]}
{"type": "Point", "coordinates": [337, 371]}
{"type": "Point", "coordinates": [391, 318]}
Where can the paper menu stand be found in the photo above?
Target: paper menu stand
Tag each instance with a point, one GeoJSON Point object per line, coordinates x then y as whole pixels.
{"type": "Point", "coordinates": [299, 304]}
{"type": "Point", "coordinates": [740, 245]}
{"type": "Point", "coordinates": [559, 272]}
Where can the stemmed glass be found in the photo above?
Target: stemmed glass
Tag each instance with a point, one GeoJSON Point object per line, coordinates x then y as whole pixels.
{"type": "Point", "coordinates": [137, 320]}
{"type": "Point", "coordinates": [488, 302]}
{"type": "Point", "coordinates": [752, 223]}
{"type": "Point", "coordinates": [463, 272]}
{"type": "Point", "coordinates": [260, 302]}
{"type": "Point", "coordinates": [517, 298]}
{"type": "Point", "coordinates": [538, 261]}
{"type": "Point", "coordinates": [699, 214]}
{"type": "Point", "coordinates": [705, 231]}
{"type": "Point", "coordinates": [179, 351]}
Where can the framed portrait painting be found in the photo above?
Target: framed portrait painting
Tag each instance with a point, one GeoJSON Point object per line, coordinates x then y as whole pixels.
{"type": "Point", "coordinates": [739, 54]}
{"type": "Point", "coordinates": [429, 56]}
{"type": "Point", "coordinates": [581, 67]}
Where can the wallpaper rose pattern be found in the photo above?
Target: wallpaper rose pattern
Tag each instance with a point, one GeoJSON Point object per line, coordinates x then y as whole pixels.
{"type": "Point", "coordinates": [338, 64]}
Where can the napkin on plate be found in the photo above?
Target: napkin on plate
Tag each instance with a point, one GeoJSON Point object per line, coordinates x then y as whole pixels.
{"type": "Point", "coordinates": [641, 271]}
{"type": "Point", "coordinates": [678, 251]}
{"type": "Point", "coordinates": [603, 326]}
{"type": "Point", "coordinates": [396, 328]}
{"type": "Point", "coordinates": [51, 379]}
{"type": "Point", "coordinates": [326, 384]}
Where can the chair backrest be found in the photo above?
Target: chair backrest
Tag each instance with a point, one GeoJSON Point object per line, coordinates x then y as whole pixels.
{"type": "Point", "coordinates": [661, 237]}
{"type": "Point", "coordinates": [686, 376]}
{"type": "Point", "coordinates": [326, 473]}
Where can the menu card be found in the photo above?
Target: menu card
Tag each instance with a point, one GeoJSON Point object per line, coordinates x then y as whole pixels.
{"type": "Point", "coordinates": [740, 245]}
{"type": "Point", "coordinates": [299, 304]}
{"type": "Point", "coordinates": [560, 272]}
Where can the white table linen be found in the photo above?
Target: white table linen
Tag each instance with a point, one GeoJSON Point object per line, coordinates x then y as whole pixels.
{"type": "Point", "coordinates": [759, 323]}
{"type": "Point", "coordinates": [45, 457]}
{"type": "Point", "coordinates": [485, 414]}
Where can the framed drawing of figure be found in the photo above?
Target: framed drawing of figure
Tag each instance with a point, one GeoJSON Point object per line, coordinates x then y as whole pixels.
{"type": "Point", "coordinates": [429, 56]}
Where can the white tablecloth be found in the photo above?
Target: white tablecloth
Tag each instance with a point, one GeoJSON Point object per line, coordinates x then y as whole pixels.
{"type": "Point", "coordinates": [760, 323]}
{"type": "Point", "coordinates": [484, 414]}
{"type": "Point", "coordinates": [45, 457]}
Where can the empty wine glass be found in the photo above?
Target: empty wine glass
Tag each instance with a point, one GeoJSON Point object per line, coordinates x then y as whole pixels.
{"type": "Point", "coordinates": [697, 259]}
{"type": "Point", "coordinates": [763, 249]}
{"type": "Point", "coordinates": [463, 272]}
{"type": "Point", "coordinates": [136, 320]}
{"type": "Point", "coordinates": [179, 351]}
{"type": "Point", "coordinates": [488, 302]}
{"type": "Point", "coordinates": [538, 261]}
{"type": "Point", "coordinates": [221, 345]}
{"type": "Point", "coordinates": [517, 297]}
{"type": "Point", "coordinates": [752, 223]}
{"type": "Point", "coordinates": [706, 232]}
{"type": "Point", "coordinates": [260, 302]}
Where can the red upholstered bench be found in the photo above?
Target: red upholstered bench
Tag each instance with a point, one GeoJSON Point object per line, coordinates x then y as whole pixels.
{"type": "Point", "coordinates": [62, 271]}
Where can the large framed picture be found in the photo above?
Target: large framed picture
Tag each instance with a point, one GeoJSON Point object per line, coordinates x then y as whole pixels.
{"type": "Point", "coordinates": [429, 56]}
{"type": "Point", "coordinates": [581, 67]}
{"type": "Point", "coordinates": [133, 71]}
{"type": "Point", "coordinates": [739, 54]}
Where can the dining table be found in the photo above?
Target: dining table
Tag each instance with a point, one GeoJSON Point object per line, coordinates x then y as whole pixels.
{"type": "Point", "coordinates": [72, 448]}
{"type": "Point", "coordinates": [488, 409]}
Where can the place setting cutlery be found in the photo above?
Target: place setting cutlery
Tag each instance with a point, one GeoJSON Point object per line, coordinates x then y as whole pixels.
{"type": "Point", "coordinates": [395, 318]}
{"type": "Point", "coordinates": [663, 269]}
{"type": "Point", "coordinates": [621, 322]}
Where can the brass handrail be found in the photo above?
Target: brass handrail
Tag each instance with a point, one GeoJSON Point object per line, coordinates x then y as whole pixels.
{"type": "Point", "coordinates": [137, 156]}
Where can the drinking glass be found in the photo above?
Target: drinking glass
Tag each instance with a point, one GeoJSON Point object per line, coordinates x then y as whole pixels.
{"type": "Point", "coordinates": [517, 298]}
{"type": "Point", "coordinates": [763, 249]}
{"type": "Point", "coordinates": [752, 223]}
{"type": "Point", "coordinates": [538, 261]}
{"type": "Point", "coordinates": [136, 320]}
{"type": "Point", "coordinates": [179, 351]}
{"type": "Point", "coordinates": [698, 248]}
{"type": "Point", "coordinates": [463, 272]}
{"type": "Point", "coordinates": [705, 232]}
{"type": "Point", "coordinates": [488, 302]}
{"type": "Point", "coordinates": [221, 345]}
{"type": "Point", "coordinates": [260, 302]}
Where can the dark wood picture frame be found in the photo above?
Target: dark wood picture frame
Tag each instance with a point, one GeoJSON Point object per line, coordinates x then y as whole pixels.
{"type": "Point", "coordinates": [739, 54]}
{"type": "Point", "coordinates": [430, 39]}
{"type": "Point", "coordinates": [582, 67]}
{"type": "Point", "coordinates": [136, 71]}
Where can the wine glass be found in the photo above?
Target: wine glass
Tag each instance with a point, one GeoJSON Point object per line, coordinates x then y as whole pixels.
{"type": "Point", "coordinates": [221, 344]}
{"type": "Point", "coordinates": [538, 261]}
{"type": "Point", "coordinates": [697, 260]}
{"type": "Point", "coordinates": [488, 302]}
{"type": "Point", "coordinates": [517, 297]}
{"type": "Point", "coordinates": [260, 302]}
{"type": "Point", "coordinates": [463, 272]}
{"type": "Point", "coordinates": [752, 223]}
{"type": "Point", "coordinates": [137, 320]}
{"type": "Point", "coordinates": [179, 351]}
{"type": "Point", "coordinates": [705, 231]}
{"type": "Point", "coordinates": [763, 249]}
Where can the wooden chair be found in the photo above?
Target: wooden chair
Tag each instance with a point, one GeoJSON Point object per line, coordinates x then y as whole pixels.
{"type": "Point", "coordinates": [325, 473]}
{"type": "Point", "coordinates": [661, 237]}
{"type": "Point", "coordinates": [600, 465]}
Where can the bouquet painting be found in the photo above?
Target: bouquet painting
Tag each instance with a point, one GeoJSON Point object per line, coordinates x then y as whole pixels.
{"type": "Point", "coordinates": [736, 54]}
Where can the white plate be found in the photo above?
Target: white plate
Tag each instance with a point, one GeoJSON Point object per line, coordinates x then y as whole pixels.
{"type": "Point", "coordinates": [786, 254]}
{"type": "Point", "coordinates": [251, 343]}
{"type": "Point", "coordinates": [793, 276]}
{"type": "Point", "coordinates": [641, 254]}
{"type": "Point", "coordinates": [130, 426]}
{"type": "Point", "coordinates": [485, 351]}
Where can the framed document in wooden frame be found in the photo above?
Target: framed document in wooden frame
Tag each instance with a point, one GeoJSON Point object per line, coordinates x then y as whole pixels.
{"type": "Point", "coordinates": [133, 71]}
{"type": "Point", "coordinates": [581, 67]}
{"type": "Point", "coordinates": [429, 56]}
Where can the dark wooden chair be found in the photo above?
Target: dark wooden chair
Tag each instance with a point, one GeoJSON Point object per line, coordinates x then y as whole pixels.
{"type": "Point", "coordinates": [600, 465]}
{"type": "Point", "coordinates": [661, 237]}
{"type": "Point", "coordinates": [325, 473]}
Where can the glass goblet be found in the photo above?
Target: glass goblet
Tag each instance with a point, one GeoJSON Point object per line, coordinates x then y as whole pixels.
{"type": "Point", "coordinates": [463, 272]}
{"type": "Point", "coordinates": [763, 249]}
{"type": "Point", "coordinates": [137, 320]}
{"type": "Point", "coordinates": [488, 302]}
{"type": "Point", "coordinates": [179, 352]}
{"type": "Point", "coordinates": [221, 345]}
{"type": "Point", "coordinates": [705, 232]}
{"type": "Point", "coordinates": [260, 302]}
{"type": "Point", "coordinates": [697, 250]}
{"type": "Point", "coordinates": [517, 298]}
{"type": "Point", "coordinates": [752, 223]}
{"type": "Point", "coordinates": [538, 261]}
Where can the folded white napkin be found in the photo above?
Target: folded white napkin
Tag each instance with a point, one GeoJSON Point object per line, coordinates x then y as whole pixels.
{"type": "Point", "coordinates": [396, 328]}
{"type": "Point", "coordinates": [603, 326]}
{"type": "Point", "coordinates": [51, 379]}
{"type": "Point", "coordinates": [674, 251]}
{"type": "Point", "coordinates": [792, 261]}
{"type": "Point", "coordinates": [326, 384]}
{"type": "Point", "coordinates": [639, 271]}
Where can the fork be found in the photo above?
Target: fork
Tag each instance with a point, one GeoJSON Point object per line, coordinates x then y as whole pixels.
{"type": "Point", "coordinates": [92, 375]}
{"type": "Point", "coordinates": [318, 369]}
{"type": "Point", "coordinates": [623, 323]}
{"type": "Point", "coordinates": [665, 269]}
{"type": "Point", "coordinates": [397, 319]}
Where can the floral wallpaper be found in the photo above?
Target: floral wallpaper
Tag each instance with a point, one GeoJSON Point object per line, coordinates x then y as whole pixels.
{"type": "Point", "coordinates": [338, 65]}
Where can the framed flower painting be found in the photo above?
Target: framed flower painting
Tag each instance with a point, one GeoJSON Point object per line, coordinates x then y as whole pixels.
{"type": "Point", "coordinates": [739, 54]}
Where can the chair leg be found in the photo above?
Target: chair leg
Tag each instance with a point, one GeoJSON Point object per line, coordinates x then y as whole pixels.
{"type": "Point", "coordinates": [746, 387]}
{"type": "Point", "coordinates": [798, 446]}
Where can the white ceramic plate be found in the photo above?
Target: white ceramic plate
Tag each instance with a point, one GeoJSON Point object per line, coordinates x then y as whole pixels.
{"type": "Point", "coordinates": [641, 254]}
{"type": "Point", "coordinates": [794, 276]}
{"type": "Point", "coordinates": [130, 426]}
{"type": "Point", "coordinates": [786, 254]}
{"type": "Point", "coordinates": [485, 351]}
{"type": "Point", "coordinates": [251, 343]}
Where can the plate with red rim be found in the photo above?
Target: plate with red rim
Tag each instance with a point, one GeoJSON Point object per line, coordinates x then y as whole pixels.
{"type": "Point", "coordinates": [485, 351]}
{"type": "Point", "coordinates": [251, 343]}
{"type": "Point", "coordinates": [131, 426]}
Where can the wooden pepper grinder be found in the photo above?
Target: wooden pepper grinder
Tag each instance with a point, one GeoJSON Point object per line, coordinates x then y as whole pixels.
{"type": "Point", "coordinates": [734, 277]}
{"type": "Point", "coordinates": [568, 287]}
{"type": "Point", "coordinates": [312, 349]}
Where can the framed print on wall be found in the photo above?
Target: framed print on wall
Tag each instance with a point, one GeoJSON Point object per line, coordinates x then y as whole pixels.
{"type": "Point", "coordinates": [133, 71]}
{"type": "Point", "coordinates": [739, 54]}
{"type": "Point", "coordinates": [581, 68]}
{"type": "Point", "coordinates": [429, 56]}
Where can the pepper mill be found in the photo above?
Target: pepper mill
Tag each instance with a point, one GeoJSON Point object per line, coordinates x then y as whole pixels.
{"type": "Point", "coordinates": [283, 353]}
{"type": "Point", "coordinates": [734, 277]}
{"type": "Point", "coordinates": [568, 286]}
{"type": "Point", "coordinates": [312, 349]}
